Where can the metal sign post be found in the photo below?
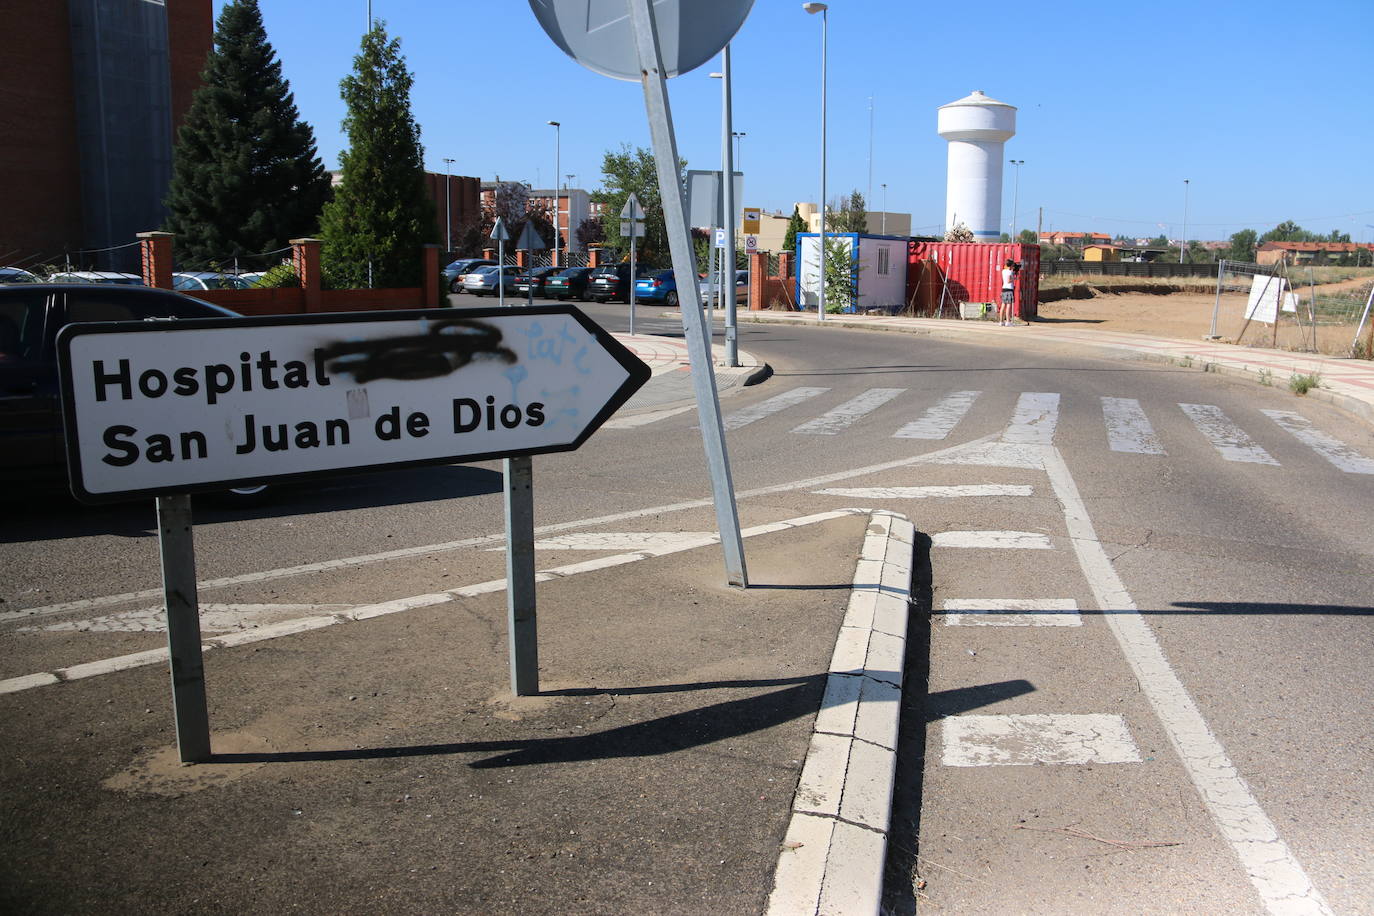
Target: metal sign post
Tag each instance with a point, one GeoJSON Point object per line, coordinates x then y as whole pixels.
{"type": "Point", "coordinates": [177, 549]}
{"type": "Point", "coordinates": [632, 225]}
{"type": "Point", "coordinates": [530, 241]}
{"type": "Point", "coordinates": [499, 234]}
{"type": "Point", "coordinates": [522, 623]}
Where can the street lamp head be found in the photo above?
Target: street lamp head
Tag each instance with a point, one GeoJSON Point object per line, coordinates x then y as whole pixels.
{"type": "Point", "coordinates": [717, 76]}
{"type": "Point", "coordinates": [554, 124]}
{"type": "Point", "coordinates": [815, 7]}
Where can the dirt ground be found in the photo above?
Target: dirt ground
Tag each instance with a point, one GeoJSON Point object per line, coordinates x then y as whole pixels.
{"type": "Point", "coordinates": [1188, 316]}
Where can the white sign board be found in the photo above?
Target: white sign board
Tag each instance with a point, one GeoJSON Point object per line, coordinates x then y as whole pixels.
{"type": "Point", "coordinates": [705, 202]}
{"type": "Point", "coordinates": [751, 243]}
{"type": "Point", "coordinates": [1265, 293]}
{"type": "Point", "coordinates": [192, 405]}
{"type": "Point", "coordinates": [632, 228]}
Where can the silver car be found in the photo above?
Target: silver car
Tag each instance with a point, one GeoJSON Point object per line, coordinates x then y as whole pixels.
{"type": "Point", "coordinates": [485, 281]}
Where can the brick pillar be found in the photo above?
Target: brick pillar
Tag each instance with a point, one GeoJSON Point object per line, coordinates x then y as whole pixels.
{"type": "Point", "coordinates": [785, 265]}
{"type": "Point", "coordinates": [433, 298]}
{"type": "Point", "coordinates": [521, 257]}
{"type": "Point", "coordinates": [489, 254]}
{"type": "Point", "coordinates": [306, 257]}
{"type": "Point", "coordinates": [594, 257]}
{"type": "Point", "coordinates": [758, 262]}
{"type": "Point", "coordinates": [155, 254]}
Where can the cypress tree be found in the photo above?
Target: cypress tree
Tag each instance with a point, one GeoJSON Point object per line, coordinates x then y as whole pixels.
{"type": "Point", "coordinates": [246, 177]}
{"type": "Point", "coordinates": [794, 225]}
{"type": "Point", "coordinates": [380, 212]}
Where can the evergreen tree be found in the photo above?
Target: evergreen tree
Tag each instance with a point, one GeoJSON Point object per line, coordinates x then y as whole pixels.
{"type": "Point", "coordinates": [380, 214]}
{"type": "Point", "coordinates": [794, 225]}
{"type": "Point", "coordinates": [245, 174]}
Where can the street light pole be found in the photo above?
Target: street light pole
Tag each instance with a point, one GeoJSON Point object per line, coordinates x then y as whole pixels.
{"type": "Point", "coordinates": [813, 7]}
{"type": "Point", "coordinates": [1016, 195]}
{"type": "Point", "coordinates": [739, 145]}
{"type": "Point", "coordinates": [557, 202]}
{"type": "Point", "coordinates": [448, 210]}
{"type": "Point", "coordinates": [727, 276]}
{"type": "Point", "coordinates": [884, 209]}
{"type": "Point", "coordinates": [1183, 245]}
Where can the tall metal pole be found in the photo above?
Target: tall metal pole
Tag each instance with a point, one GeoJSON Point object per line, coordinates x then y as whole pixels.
{"type": "Point", "coordinates": [557, 202]}
{"type": "Point", "coordinates": [448, 209]}
{"type": "Point", "coordinates": [728, 273]}
{"type": "Point", "coordinates": [739, 149]}
{"type": "Point", "coordinates": [822, 9]}
{"type": "Point", "coordinates": [522, 622]}
{"type": "Point", "coordinates": [1183, 245]}
{"type": "Point", "coordinates": [1016, 195]}
{"type": "Point", "coordinates": [870, 152]}
{"type": "Point", "coordinates": [684, 265]}
{"type": "Point", "coordinates": [884, 209]}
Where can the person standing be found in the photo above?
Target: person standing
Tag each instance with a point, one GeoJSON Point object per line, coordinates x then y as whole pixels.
{"type": "Point", "coordinates": [1004, 308]}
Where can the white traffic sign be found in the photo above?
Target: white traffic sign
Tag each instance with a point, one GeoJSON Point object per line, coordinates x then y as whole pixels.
{"type": "Point", "coordinates": [633, 209]}
{"type": "Point", "coordinates": [720, 238]}
{"type": "Point", "coordinates": [499, 232]}
{"type": "Point", "coordinates": [751, 243]}
{"type": "Point", "coordinates": [207, 404]}
{"type": "Point", "coordinates": [530, 239]}
{"type": "Point", "coordinates": [632, 228]}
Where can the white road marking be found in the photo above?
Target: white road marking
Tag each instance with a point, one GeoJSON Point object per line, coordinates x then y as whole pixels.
{"type": "Point", "coordinates": [791, 398]}
{"type": "Point", "coordinates": [1028, 740]}
{"type": "Point", "coordinates": [642, 541]}
{"type": "Point", "coordinates": [995, 540]}
{"type": "Point", "coordinates": [1128, 429]}
{"type": "Point", "coordinates": [940, 419]}
{"type": "Point", "coordinates": [1012, 612]}
{"type": "Point", "coordinates": [214, 618]}
{"type": "Point", "coordinates": [1329, 447]}
{"type": "Point", "coordinates": [644, 419]}
{"type": "Point", "coordinates": [929, 492]}
{"type": "Point", "coordinates": [834, 422]}
{"type": "Point", "coordinates": [1276, 874]}
{"type": "Point", "coordinates": [1034, 420]}
{"type": "Point", "coordinates": [1228, 438]}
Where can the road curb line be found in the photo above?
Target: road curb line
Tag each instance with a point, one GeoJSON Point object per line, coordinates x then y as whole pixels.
{"type": "Point", "coordinates": [836, 844]}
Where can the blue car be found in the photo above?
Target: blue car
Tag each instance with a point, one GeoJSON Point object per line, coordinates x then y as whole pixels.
{"type": "Point", "coordinates": [659, 286]}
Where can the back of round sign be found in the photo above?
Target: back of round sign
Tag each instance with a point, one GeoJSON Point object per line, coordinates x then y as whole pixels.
{"type": "Point", "coordinates": [596, 33]}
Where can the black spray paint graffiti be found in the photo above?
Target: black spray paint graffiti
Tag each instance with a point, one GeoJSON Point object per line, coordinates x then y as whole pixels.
{"type": "Point", "coordinates": [449, 346]}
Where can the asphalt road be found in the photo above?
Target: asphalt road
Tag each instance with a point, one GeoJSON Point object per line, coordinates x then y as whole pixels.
{"type": "Point", "coordinates": [1234, 560]}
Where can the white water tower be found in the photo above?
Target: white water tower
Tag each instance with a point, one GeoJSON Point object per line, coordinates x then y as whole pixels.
{"type": "Point", "coordinates": [976, 128]}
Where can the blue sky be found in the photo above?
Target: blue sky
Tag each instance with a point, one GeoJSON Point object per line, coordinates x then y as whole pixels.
{"type": "Point", "coordinates": [1264, 107]}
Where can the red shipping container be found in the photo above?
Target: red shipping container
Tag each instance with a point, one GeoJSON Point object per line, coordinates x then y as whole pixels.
{"type": "Point", "coordinates": [972, 272]}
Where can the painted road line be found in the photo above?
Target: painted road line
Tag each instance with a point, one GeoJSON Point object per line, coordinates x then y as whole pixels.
{"type": "Point", "coordinates": [1128, 429]}
{"type": "Point", "coordinates": [834, 422]}
{"type": "Point", "coordinates": [790, 398]}
{"type": "Point", "coordinates": [940, 419]}
{"type": "Point", "coordinates": [640, 541]}
{"type": "Point", "coordinates": [1329, 447]}
{"type": "Point", "coordinates": [644, 419]}
{"type": "Point", "coordinates": [214, 618]}
{"type": "Point", "coordinates": [930, 492]}
{"type": "Point", "coordinates": [1012, 612]}
{"type": "Point", "coordinates": [1034, 420]}
{"type": "Point", "coordinates": [978, 451]}
{"type": "Point", "coordinates": [1228, 438]}
{"type": "Point", "coordinates": [1275, 872]}
{"type": "Point", "coordinates": [992, 540]}
{"type": "Point", "coordinates": [1030, 740]}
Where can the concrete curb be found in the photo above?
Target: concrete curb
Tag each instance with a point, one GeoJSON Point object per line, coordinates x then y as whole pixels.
{"type": "Point", "coordinates": [836, 845]}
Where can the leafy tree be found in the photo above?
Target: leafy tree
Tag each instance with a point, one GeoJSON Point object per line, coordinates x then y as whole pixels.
{"type": "Point", "coordinates": [841, 275]}
{"type": "Point", "coordinates": [590, 232]}
{"type": "Point", "coordinates": [380, 212]}
{"type": "Point", "coordinates": [1027, 237]}
{"type": "Point", "coordinates": [634, 171]}
{"type": "Point", "coordinates": [1159, 241]}
{"type": "Point", "coordinates": [245, 174]}
{"type": "Point", "coordinates": [1242, 246]}
{"type": "Point", "coordinates": [852, 216]}
{"type": "Point", "coordinates": [794, 225]}
{"type": "Point", "coordinates": [1288, 231]}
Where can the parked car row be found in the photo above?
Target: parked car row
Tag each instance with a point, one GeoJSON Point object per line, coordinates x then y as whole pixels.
{"type": "Point", "coordinates": [183, 280]}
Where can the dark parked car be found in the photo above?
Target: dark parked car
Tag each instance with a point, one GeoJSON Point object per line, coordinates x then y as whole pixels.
{"type": "Point", "coordinates": [454, 272]}
{"type": "Point", "coordinates": [569, 284]}
{"type": "Point", "coordinates": [534, 279]}
{"type": "Point", "coordinates": [32, 446]}
{"type": "Point", "coordinates": [610, 282]}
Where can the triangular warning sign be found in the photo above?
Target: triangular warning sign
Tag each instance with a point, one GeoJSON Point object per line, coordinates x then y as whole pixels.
{"type": "Point", "coordinates": [499, 232]}
{"type": "Point", "coordinates": [530, 240]}
{"type": "Point", "coordinates": [633, 208]}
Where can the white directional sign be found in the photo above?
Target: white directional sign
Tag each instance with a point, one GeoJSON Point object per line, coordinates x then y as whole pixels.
{"type": "Point", "coordinates": [208, 403]}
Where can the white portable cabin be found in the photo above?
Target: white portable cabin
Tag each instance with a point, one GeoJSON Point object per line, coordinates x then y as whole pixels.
{"type": "Point", "coordinates": [880, 268]}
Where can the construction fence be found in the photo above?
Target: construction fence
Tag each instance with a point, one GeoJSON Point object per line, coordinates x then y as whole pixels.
{"type": "Point", "coordinates": [1312, 309]}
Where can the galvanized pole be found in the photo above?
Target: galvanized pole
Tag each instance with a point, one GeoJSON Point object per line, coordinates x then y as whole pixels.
{"type": "Point", "coordinates": [825, 25]}
{"type": "Point", "coordinates": [634, 231]}
{"type": "Point", "coordinates": [684, 265]}
{"type": "Point", "coordinates": [1183, 245]}
{"type": "Point", "coordinates": [1216, 305]}
{"type": "Point", "coordinates": [448, 210]}
{"type": "Point", "coordinates": [557, 165]}
{"type": "Point", "coordinates": [501, 272]}
{"type": "Point", "coordinates": [728, 274]}
{"type": "Point", "coordinates": [522, 622]}
{"type": "Point", "coordinates": [177, 548]}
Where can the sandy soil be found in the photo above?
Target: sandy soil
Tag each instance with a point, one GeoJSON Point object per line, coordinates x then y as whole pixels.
{"type": "Point", "coordinates": [1188, 316]}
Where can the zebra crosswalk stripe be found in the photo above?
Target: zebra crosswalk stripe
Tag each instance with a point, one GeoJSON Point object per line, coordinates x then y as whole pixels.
{"type": "Point", "coordinates": [835, 421]}
{"type": "Point", "coordinates": [1229, 439]}
{"type": "Point", "coordinates": [1329, 447]}
{"type": "Point", "coordinates": [940, 419]}
{"type": "Point", "coordinates": [1036, 415]}
{"type": "Point", "coordinates": [1128, 429]}
{"type": "Point", "coordinates": [771, 406]}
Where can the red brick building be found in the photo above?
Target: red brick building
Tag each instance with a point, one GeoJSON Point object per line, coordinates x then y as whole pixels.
{"type": "Point", "coordinates": [91, 95]}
